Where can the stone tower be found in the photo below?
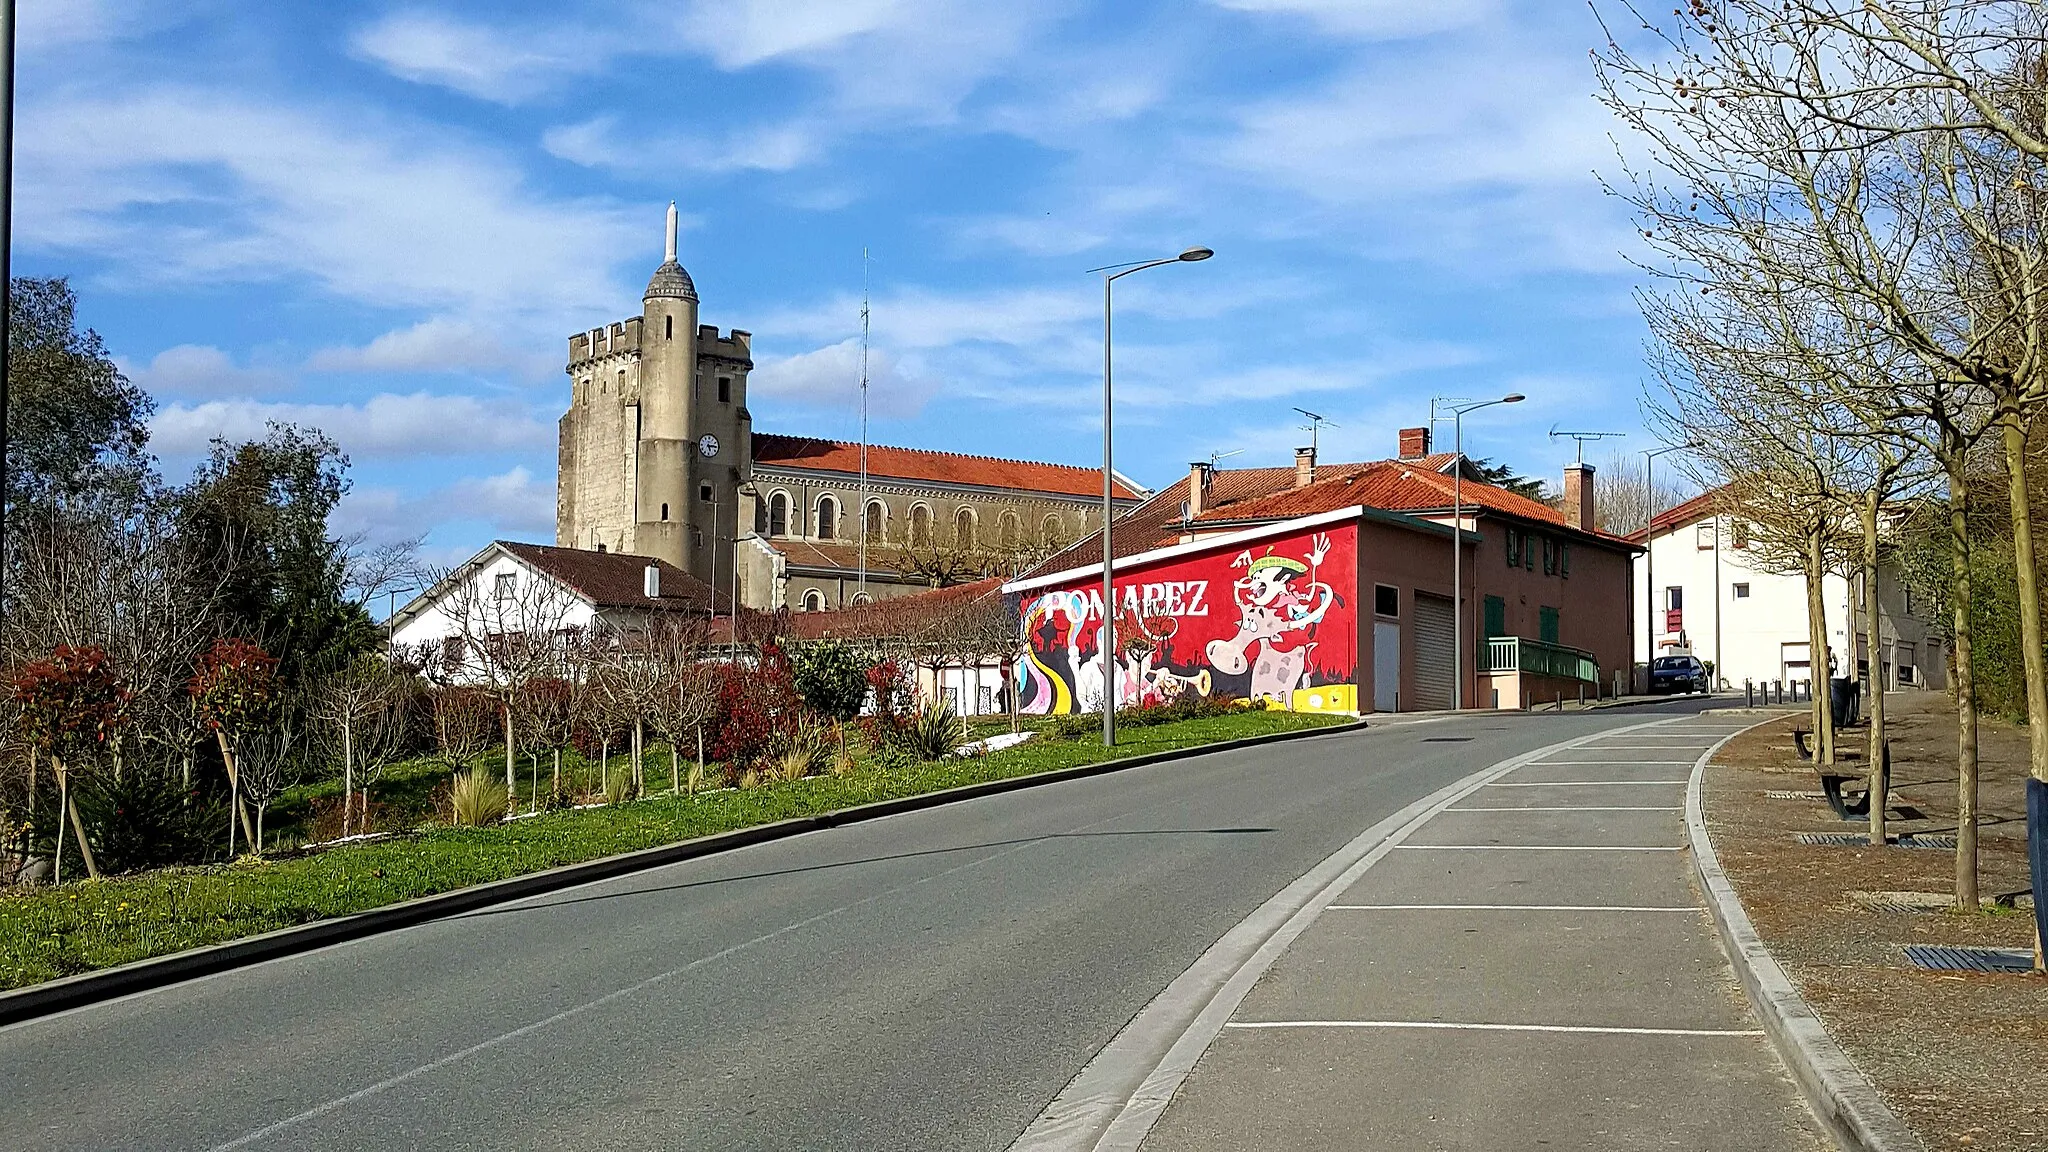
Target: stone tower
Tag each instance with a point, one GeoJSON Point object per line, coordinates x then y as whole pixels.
{"type": "Point", "coordinates": [657, 439]}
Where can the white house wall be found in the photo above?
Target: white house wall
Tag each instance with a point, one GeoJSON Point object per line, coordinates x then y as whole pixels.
{"type": "Point", "coordinates": [1754, 632]}
{"type": "Point", "coordinates": [434, 622]}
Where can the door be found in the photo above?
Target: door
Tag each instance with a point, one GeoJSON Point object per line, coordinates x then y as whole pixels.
{"type": "Point", "coordinates": [1433, 648]}
{"type": "Point", "coordinates": [1386, 666]}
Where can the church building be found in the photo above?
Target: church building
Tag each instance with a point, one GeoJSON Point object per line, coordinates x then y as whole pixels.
{"type": "Point", "coordinates": [658, 457]}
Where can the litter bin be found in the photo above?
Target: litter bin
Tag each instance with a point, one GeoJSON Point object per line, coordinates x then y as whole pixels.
{"type": "Point", "coordinates": [1843, 705]}
{"type": "Point", "coordinates": [2037, 853]}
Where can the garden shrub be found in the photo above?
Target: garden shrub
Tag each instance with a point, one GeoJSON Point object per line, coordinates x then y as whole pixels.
{"type": "Point", "coordinates": [934, 731]}
{"type": "Point", "coordinates": [831, 678]}
{"type": "Point", "coordinates": [148, 819]}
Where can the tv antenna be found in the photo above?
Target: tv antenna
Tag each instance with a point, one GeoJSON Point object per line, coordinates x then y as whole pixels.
{"type": "Point", "coordinates": [1314, 427]}
{"type": "Point", "coordinates": [1215, 456]}
{"type": "Point", "coordinates": [1582, 437]}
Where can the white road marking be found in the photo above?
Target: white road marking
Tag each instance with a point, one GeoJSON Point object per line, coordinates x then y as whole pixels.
{"type": "Point", "coordinates": [1507, 908]}
{"type": "Point", "coordinates": [1601, 763]}
{"type": "Point", "coordinates": [1582, 784]}
{"type": "Point", "coordinates": [1541, 847]}
{"type": "Point", "coordinates": [1617, 808]}
{"type": "Point", "coordinates": [1449, 1026]}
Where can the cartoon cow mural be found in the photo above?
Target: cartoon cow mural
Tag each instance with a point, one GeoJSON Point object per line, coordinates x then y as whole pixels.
{"type": "Point", "coordinates": [1257, 621]}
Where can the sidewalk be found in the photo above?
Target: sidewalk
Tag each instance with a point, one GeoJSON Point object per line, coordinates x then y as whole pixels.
{"type": "Point", "coordinates": [1532, 967]}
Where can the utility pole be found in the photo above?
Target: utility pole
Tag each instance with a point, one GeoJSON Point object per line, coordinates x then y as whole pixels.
{"type": "Point", "coordinates": [864, 300]}
{"type": "Point", "coordinates": [6, 249]}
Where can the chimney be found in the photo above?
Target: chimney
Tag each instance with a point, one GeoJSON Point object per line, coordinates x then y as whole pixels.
{"type": "Point", "coordinates": [1198, 487]}
{"type": "Point", "coordinates": [1304, 467]}
{"type": "Point", "coordinates": [1414, 443]}
{"type": "Point", "coordinates": [651, 581]}
{"type": "Point", "coordinates": [1578, 495]}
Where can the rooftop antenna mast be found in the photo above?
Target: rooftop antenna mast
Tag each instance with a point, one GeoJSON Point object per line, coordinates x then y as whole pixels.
{"type": "Point", "coordinates": [1315, 425]}
{"type": "Point", "coordinates": [864, 299]}
{"type": "Point", "coordinates": [1215, 456]}
{"type": "Point", "coordinates": [1582, 437]}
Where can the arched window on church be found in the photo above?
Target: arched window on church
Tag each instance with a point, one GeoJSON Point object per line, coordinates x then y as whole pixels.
{"type": "Point", "coordinates": [963, 528]}
{"type": "Point", "coordinates": [828, 517]}
{"type": "Point", "coordinates": [778, 514]}
{"type": "Point", "coordinates": [1055, 534]}
{"type": "Point", "coordinates": [862, 598]}
{"type": "Point", "coordinates": [814, 601]}
{"type": "Point", "coordinates": [878, 526]}
{"type": "Point", "coordinates": [1013, 532]}
{"type": "Point", "coordinates": [921, 525]}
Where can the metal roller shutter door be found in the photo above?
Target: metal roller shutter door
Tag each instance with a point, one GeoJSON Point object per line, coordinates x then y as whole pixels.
{"type": "Point", "coordinates": [1433, 676]}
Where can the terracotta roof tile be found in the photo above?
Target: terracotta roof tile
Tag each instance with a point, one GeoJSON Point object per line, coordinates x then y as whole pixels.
{"type": "Point", "coordinates": [1679, 515]}
{"type": "Point", "coordinates": [938, 467]}
{"type": "Point", "coordinates": [617, 579]}
{"type": "Point", "coordinates": [896, 615]}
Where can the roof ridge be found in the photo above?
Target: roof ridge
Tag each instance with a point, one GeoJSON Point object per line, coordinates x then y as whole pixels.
{"type": "Point", "coordinates": [935, 452]}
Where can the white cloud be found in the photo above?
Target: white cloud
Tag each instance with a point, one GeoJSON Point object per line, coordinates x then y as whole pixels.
{"type": "Point", "coordinates": [1374, 19]}
{"type": "Point", "coordinates": [200, 369]}
{"type": "Point", "coordinates": [387, 425]}
{"type": "Point", "coordinates": [199, 186]}
{"type": "Point", "coordinates": [602, 142]}
{"type": "Point", "coordinates": [436, 345]}
{"type": "Point", "coordinates": [513, 503]}
{"type": "Point", "coordinates": [829, 378]}
{"type": "Point", "coordinates": [477, 59]}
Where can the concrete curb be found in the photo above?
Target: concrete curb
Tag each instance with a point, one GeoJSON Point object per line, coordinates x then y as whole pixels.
{"type": "Point", "coordinates": [65, 993]}
{"type": "Point", "coordinates": [1841, 1097]}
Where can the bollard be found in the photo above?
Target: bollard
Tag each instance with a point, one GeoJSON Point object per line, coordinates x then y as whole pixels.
{"type": "Point", "coordinates": [1748, 693]}
{"type": "Point", "coordinates": [1582, 695]}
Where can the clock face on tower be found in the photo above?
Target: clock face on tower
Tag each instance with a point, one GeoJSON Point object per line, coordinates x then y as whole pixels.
{"type": "Point", "coordinates": [708, 445]}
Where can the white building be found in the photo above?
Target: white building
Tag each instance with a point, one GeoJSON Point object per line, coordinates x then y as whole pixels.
{"type": "Point", "coordinates": [512, 589]}
{"type": "Point", "coordinates": [1704, 590]}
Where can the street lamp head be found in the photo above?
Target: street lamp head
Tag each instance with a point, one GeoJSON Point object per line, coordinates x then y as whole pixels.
{"type": "Point", "coordinates": [1513, 398]}
{"type": "Point", "coordinates": [1194, 254]}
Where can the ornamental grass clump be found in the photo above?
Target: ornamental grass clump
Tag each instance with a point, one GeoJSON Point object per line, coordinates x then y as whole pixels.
{"type": "Point", "coordinates": [934, 731]}
{"type": "Point", "coordinates": [477, 799]}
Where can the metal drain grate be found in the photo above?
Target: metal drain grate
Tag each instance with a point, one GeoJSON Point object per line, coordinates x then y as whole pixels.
{"type": "Point", "coordinates": [1859, 840]}
{"type": "Point", "coordinates": [1945, 958]}
{"type": "Point", "coordinates": [1781, 795]}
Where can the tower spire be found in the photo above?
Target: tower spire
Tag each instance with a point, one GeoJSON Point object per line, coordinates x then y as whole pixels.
{"type": "Point", "coordinates": [670, 256]}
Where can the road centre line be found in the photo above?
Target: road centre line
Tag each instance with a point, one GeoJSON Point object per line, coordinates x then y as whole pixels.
{"type": "Point", "coordinates": [1540, 847]}
{"type": "Point", "coordinates": [1446, 1025]}
{"type": "Point", "coordinates": [1507, 908]}
{"type": "Point", "coordinates": [1581, 783]}
{"type": "Point", "coordinates": [1570, 808]}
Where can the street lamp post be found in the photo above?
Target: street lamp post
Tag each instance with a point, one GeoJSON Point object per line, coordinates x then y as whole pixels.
{"type": "Point", "coordinates": [1458, 541]}
{"type": "Point", "coordinates": [1105, 635]}
{"type": "Point", "coordinates": [1650, 555]}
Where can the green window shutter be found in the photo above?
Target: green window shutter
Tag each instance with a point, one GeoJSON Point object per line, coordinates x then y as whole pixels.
{"type": "Point", "coordinates": [1496, 617]}
{"type": "Point", "coordinates": [1514, 540]}
{"type": "Point", "coordinates": [1549, 557]}
{"type": "Point", "coordinates": [1564, 563]}
{"type": "Point", "coordinates": [1547, 625]}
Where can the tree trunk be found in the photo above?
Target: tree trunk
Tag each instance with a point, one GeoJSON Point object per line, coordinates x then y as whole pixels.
{"type": "Point", "coordinates": [1817, 651]}
{"type": "Point", "coordinates": [1965, 685]}
{"type": "Point", "coordinates": [675, 770]}
{"type": "Point", "coordinates": [92, 868]}
{"type": "Point", "coordinates": [348, 773]}
{"type": "Point", "coordinates": [2035, 660]}
{"type": "Point", "coordinates": [227, 756]}
{"type": "Point", "coordinates": [63, 802]}
{"type": "Point", "coordinates": [558, 772]}
{"type": "Point", "coordinates": [639, 759]}
{"type": "Point", "coordinates": [604, 766]}
{"type": "Point", "coordinates": [700, 760]}
{"type": "Point", "coordinates": [1879, 785]}
{"type": "Point", "coordinates": [511, 748]}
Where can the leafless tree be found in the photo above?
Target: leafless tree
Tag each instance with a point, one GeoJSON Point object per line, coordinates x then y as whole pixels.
{"type": "Point", "coordinates": [362, 704]}
{"type": "Point", "coordinates": [511, 630]}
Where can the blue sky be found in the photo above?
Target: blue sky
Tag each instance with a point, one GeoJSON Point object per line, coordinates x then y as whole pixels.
{"type": "Point", "coordinates": [386, 219]}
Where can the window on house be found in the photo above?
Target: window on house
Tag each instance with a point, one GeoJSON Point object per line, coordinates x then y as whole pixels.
{"type": "Point", "coordinates": [704, 492]}
{"type": "Point", "coordinates": [1386, 600]}
{"type": "Point", "coordinates": [1741, 591]}
{"type": "Point", "coordinates": [1738, 534]}
{"type": "Point", "coordinates": [828, 517]}
{"type": "Point", "coordinates": [963, 528]}
{"type": "Point", "coordinates": [664, 511]}
{"type": "Point", "coordinates": [1514, 539]}
{"type": "Point", "coordinates": [814, 601]}
{"type": "Point", "coordinates": [1528, 552]}
{"type": "Point", "coordinates": [778, 515]}
{"type": "Point", "coordinates": [877, 514]}
{"type": "Point", "coordinates": [725, 389]}
{"type": "Point", "coordinates": [505, 586]}
{"type": "Point", "coordinates": [1703, 536]}
{"type": "Point", "coordinates": [1549, 557]}
{"type": "Point", "coordinates": [1674, 599]}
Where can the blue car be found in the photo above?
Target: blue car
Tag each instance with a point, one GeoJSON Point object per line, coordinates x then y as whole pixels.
{"type": "Point", "coordinates": [1677, 674]}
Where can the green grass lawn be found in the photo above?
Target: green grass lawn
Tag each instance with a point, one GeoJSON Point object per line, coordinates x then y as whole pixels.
{"type": "Point", "coordinates": [51, 932]}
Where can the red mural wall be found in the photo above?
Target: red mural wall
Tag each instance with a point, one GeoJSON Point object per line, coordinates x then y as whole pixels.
{"type": "Point", "coordinates": [1254, 621]}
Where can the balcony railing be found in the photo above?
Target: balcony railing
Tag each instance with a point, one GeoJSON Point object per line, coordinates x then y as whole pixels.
{"type": "Point", "coordinates": [1535, 658]}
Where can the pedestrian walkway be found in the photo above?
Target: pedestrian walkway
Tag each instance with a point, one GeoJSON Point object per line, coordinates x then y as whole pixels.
{"type": "Point", "coordinates": [1532, 967]}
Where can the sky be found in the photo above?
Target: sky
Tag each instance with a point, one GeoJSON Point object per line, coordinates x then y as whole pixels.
{"type": "Point", "coordinates": [385, 220]}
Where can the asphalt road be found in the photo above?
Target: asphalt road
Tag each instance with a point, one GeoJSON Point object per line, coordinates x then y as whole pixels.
{"type": "Point", "coordinates": [930, 980]}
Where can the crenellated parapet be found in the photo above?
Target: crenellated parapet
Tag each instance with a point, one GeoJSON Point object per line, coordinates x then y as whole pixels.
{"type": "Point", "coordinates": [736, 348]}
{"type": "Point", "coordinates": [620, 338]}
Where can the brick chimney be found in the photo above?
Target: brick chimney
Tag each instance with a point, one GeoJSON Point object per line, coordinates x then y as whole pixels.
{"type": "Point", "coordinates": [1578, 495]}
{"type": "Point", "coordinates": [1414, 443]}
{"type": "Point", "coordinates": [1198, 488]}
{"type": "Point", "coordinates": [1304, 467]}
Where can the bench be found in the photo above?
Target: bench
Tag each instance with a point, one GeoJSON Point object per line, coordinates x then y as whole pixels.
{"type": "Point", "coordinates": [1834, 783]}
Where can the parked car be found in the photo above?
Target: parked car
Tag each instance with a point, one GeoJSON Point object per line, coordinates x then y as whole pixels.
{"type": "Point", "coordinates": [1678, 674]}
